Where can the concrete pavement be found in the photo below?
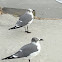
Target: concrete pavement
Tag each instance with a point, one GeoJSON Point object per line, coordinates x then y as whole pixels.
{"type": "Point", "coordinates": [11, 41]}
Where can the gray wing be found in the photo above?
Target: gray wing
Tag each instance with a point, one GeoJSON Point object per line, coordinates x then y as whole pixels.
{"type": "Point", "coordinates": [24, 19]}
{"type": "Point", "coordinates": [26, 50]}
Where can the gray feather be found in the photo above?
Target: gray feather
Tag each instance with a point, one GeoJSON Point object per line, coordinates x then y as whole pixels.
{"type": "Point", "coordinates": [26, 50]}
{"type": "Point", "coordinates": [24, 19]}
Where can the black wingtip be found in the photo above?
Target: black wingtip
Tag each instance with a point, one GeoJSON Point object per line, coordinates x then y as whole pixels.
{"type": "Point", "coordinates": [4, 58]}
{"type": "Point", "coordinates": [9, 29]}
{"type": "Point", "coordinates": [12, 28]}
{"type": "Point", "coordinates": [10, 57]}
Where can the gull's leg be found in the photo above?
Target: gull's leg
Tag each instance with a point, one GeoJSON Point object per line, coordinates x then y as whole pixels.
{"type": "Point", "coordinates": [29, 60]}
{"type": "Point", "coordinates": [28, 30]}
{"type": "Point", "coordinates": [25, 29]}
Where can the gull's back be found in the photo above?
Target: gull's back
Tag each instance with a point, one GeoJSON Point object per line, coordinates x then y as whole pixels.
{"type": "Point", "coordinates": [26, 50]}
{"type": "Point", "coordinates": [24, 19]}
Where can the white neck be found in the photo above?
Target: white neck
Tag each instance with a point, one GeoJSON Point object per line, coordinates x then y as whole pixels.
{"type": "Point", "coordinates": [37, 44]}
{"type": "Point", "coordinates": [30, 13]}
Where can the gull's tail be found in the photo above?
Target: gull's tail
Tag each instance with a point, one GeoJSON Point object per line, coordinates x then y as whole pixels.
{"type": "Point", "coordinates": [9, 57]}
{"type": "Point", "coordinates": [14, 27]}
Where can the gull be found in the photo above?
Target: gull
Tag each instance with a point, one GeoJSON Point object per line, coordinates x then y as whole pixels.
{"type": "Point", "coordinates": [28, 51]}
{"type": "Point", "coordinates": [25, 20]}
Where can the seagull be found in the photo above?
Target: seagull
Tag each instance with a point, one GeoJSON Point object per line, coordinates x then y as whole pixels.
{"type": "Point", "coordinates": [25, 20]}
{"type": "Point", "coordinates": [27, 51]}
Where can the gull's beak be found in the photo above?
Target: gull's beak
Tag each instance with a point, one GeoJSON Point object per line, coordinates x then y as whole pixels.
{"type": "Point", "coordinates": [33, 12]}
{"type": "Point", "coordinates": [41, 40]}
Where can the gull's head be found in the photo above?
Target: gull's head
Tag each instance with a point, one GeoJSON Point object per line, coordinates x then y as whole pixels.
{"type": "Point", "coordinates": [30, 10]}
{"type": "Point", "coordinates": [34, 39]}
